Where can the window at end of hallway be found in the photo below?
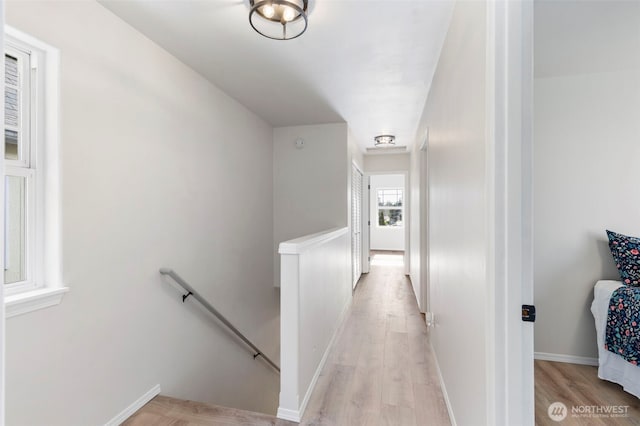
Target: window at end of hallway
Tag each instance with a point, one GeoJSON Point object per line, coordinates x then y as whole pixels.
{"type": "Point", "coordinates": [390, 207]}
{"type": "Point", "coordinates": [32, 267]}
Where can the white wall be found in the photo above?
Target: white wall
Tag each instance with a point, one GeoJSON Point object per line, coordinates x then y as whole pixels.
{"type": "Point", "coordinates": [587, 104]}
{"type": "Point", "coordinates": [390, 237]}
{"type": "Point", "coordinates": [386, 163]}
{"type": "Point", "coordinates": [310, 185]}
{"type": "Point", "coordinates": [153, 158]}
{"type": "Point", "coordinates": [316, 292]}
{"type": "Point", "coordinates": [455, 115]}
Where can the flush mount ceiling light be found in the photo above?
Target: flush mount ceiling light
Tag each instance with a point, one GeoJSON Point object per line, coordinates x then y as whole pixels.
{"type": "Point", "coordinates": [279, 19]}
{"type": "Point", "coordinates": [385, 140]}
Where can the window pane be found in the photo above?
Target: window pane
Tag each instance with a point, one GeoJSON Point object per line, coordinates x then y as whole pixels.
{"type": "Point", "coordinates": [390, 217]}
{"type": "Point", "coordinates": [11, 108]}
{"type": "Point", "coordinates": [10, 144]}
{"type": "Point", "coordinates": [15, 235]}
{"type": "Point", "coordinates": [390, 197]}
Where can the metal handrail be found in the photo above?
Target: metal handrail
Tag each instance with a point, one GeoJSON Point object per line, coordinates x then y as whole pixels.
{"type": "Point", "coordinates": [191, 292]}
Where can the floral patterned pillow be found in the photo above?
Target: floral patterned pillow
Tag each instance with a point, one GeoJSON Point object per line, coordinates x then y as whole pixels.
{"type": "Point", "coordinates": [626, 254]}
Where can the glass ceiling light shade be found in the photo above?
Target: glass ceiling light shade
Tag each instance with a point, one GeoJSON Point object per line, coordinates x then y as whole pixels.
{"type": "Point", "coordinates": [385, 140]}
{"type": "Point", "coordinates": [279, 19]}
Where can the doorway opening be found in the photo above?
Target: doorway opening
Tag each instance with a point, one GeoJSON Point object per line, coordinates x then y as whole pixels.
{"type": "Point", "coordinates": [387, 219]}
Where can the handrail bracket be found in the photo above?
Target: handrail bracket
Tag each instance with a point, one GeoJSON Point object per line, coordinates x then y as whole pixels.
{"type": "Point", "coordinates": [191, 292]}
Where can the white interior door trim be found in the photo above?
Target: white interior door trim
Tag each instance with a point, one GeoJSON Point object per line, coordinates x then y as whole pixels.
{"type": "Point", "coordinates": [509, 81]}
{"type": "Point", "coordinates": [2, 308]}
{"type": "Point", "coordinates": [366, 224]}
{"type": "Point", "coordinates": [407, 220]}
{"type": "Point", "coordinates": [423, 211]}
{"type": "Point", "coordinates": [406, 212]}
{"type": "Point", "coordinates": [357, 179]}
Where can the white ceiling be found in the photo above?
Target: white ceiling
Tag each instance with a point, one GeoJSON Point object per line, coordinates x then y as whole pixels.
{"type": "Point", "coordinates": [366, 62]}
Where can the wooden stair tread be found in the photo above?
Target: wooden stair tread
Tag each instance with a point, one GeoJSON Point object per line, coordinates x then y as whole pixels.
{"type": "Point", "coordinates": [166, 411]}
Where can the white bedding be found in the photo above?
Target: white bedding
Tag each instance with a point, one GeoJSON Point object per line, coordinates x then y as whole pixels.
{"type": "Point", "coordinates": [612, 367]}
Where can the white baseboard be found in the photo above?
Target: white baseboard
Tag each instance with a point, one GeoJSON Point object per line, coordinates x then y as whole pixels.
{"type": "Point", "coordinates": [135, 406]}
{"type": "Point", "coordinates": [296, 415]}
{"type": "Point", "coordinates": [444, 389]}
{"type": "Point", "coordinates": [291, 415]}
{"type": "Point", "coordinates": [570, 359]}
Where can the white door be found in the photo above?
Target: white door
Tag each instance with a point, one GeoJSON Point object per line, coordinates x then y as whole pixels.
{"type": "Point", "coordinates": [356, 223]}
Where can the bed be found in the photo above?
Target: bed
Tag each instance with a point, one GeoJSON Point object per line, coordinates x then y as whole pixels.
{"type": "Point", "coordinates": [612, 367]}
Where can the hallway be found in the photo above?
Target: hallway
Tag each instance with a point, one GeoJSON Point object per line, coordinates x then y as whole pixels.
{"type": "Point", "coordinates": [381, 370]}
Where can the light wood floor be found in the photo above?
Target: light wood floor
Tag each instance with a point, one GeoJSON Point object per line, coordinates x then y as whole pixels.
{"type": "Point", "coordinates": [579, 385]}
{"type": "Point", "coordinates": [381, 370]}
{"type": "Point", "coordinates": [166, 411]}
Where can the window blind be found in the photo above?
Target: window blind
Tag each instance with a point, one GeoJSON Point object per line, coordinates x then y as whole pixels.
{"type": "Point", "coordinates": [11, 99]}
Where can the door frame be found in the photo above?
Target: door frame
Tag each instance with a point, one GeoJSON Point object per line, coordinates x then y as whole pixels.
{"type": "Point", "coordinates": [366, 225]}
{"type": "Point", "coordinates": [423, 226]}
{"type": "Point", "coordinates": [509, 195]}
{"type": "Point", "coordinates": [2, 308]}
{"type": "Point", "coordinates": [354, 283]}
{"type": "Point", "coordinates": [406, 213]}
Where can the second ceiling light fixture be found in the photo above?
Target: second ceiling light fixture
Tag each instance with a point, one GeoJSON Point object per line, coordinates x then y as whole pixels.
{"type": "Point", "coordinates": [279, 19]}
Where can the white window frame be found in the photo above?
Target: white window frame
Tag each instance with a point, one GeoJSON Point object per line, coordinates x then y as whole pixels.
{"type": "Point", "coordinates": [30, 281]}
{"type": "Point", "coordinates": [27, 102]}
{"type": "Point", "coordinates": [25, 165]}
{"type": "Point", "coordinates": [379, 207]}
{"type": "Point", "coordinates": [38, 162]}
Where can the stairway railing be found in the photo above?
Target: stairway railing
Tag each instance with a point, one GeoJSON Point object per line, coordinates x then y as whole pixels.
{"type": "Point", "coordinates": [192, 292]}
